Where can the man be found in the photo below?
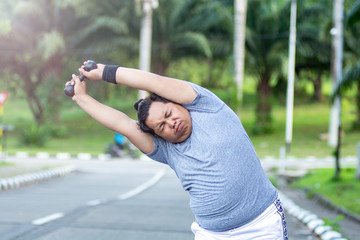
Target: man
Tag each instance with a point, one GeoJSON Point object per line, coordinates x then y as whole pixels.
{"type": "Point", "coordinates": [190, 129]}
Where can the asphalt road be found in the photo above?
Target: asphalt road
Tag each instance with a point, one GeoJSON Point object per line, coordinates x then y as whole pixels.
{"type": "Point", "coordinates": [132, 200]}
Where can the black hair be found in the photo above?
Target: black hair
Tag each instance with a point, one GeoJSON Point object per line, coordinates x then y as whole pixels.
{"type": "Point", "coordinates": [142, 107]}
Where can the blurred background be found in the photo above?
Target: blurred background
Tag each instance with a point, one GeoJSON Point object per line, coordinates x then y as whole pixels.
{"type": "Point", "coordinates": [42, 42]}
{"type": "Point", "coordinates": [290, 69]}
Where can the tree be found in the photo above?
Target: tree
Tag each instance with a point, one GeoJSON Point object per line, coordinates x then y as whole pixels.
{"type": "Point", "coordinates": [110, 29]}
{"type": "Point", "coordinates": [32, 50]}
{"type": "Point", "coordinates": [351, 76]}
{"type": "Point", "coordinates": [41, 35]}
{"type": "Point", "coordinates": [314, 42]}
{"type": "Point", "coordinates": [185, 28]}
{"type": "Point", "coordinates": [215, 19]}
{"type": "Point", "coordinates": [146, 37]}
{"type": "Point", "coordinates": [240, 7]}
{"type": "Point", "coordinates": [266, 46]}
{"type": "Point", "coordinates": [174, 36]}
{"type": "Point", "coordinates": [111, 35]}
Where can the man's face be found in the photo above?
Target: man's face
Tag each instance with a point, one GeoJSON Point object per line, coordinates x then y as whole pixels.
{"type": "Point", "coordinates": [170, 121]}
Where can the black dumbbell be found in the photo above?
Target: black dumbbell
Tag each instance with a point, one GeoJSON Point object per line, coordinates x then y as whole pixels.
{"type": "Point", "coordinates": [69, 90]}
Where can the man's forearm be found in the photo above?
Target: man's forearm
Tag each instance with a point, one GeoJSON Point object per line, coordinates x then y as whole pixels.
{"type": "Point", "coordinates": [136, 78]}
{"type": "Point", "coordinates": [173, 89]}
{"type": "Point", "coordinates": [105, 115]}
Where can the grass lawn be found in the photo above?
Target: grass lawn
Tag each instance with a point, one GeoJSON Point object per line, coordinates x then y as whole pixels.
{"type": "Point", "coordinates": [83, 135]}
{"type": "Point", "coordinates": [86, 135]}
{"type": "Point", "coordinates": [310, 121]}
{"type": "Point", "coordinates": [345, 192]}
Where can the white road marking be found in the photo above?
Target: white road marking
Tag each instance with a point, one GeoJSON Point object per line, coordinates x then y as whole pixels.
{"type": "Point", "coordinates": [47, 219]}
{"type": "Point", "coordinates": [94, 202]}
{"type": "Point", "coordinates": [143, 187]}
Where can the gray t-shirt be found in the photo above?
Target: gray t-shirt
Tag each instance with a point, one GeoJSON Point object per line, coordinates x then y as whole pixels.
{"type": "Point", "coordinates": [218, 166]}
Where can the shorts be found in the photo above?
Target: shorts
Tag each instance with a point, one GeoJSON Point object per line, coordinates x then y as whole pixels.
{"type": "Point", "coordinates": [271, 225]}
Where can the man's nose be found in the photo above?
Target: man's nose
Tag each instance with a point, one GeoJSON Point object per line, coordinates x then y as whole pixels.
{"type": "Point", "coordinates": [171, 123]}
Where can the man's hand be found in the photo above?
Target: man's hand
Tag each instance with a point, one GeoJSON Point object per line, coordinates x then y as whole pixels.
{"type": "Point", "coordinates": [93, 75]}
{"type": "Point", "coordinates": [79, 87]}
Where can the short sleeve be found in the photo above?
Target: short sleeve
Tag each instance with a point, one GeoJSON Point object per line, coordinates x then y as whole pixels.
{"type": "Point", "coordinates": [205, 101]}
{"type": "Point", "coordinates": [159, 153]}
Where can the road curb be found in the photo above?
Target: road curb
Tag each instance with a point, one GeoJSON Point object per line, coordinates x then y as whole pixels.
{"type": "Point", "coordinates": [64, 156]}
{"type": "Point", "coordinates": [36, 177]}
{"type": "Point", "coordinates": [312, 221]}
{"type": "Point", "coordinates": [328, 204]}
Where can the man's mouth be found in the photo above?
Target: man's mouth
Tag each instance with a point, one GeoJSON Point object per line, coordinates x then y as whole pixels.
{"type": "Point", "coordinates": [179, 127]}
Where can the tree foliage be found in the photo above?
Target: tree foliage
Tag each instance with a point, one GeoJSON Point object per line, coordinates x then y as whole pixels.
{"type": "Point", "coordinates": [266, 45]}
{"type": "Point", "coordinates": [175, 34]}
{"type": "Point", "coordinates": [313, 59]}
{"type": "Point", "coordinates": [351, 75]}
{"type": "Point", "coordinates": [32, 50]}
{"type": "Point", "coordinates": [41, 39]}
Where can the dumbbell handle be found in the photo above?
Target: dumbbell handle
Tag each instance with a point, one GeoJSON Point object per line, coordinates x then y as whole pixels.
{"type": "Point", "coordinates": [69, 89]}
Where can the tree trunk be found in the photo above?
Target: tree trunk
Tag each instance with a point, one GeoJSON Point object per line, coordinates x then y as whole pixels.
{"type": "Point", "coordinates": [336, 68]}
{"type": "Point", "coordinates": [160, 67]}
{"type": "Point", "coordinates": [35, 106]}
{"type": "Point", "coordinates": [240, 7]}
{"type": "Point", "coordinates": [337, 157]}
{"type": "Point", "coordinates": [32, 98]}
{"type": "Point", "coordinates": [145, 40]}
{"type": "Point", "coordinates": [263, 122]}
{"type": "Point", "coordinates": [47, 77]}
{"type": "Point", "coordinates": [317, 87]}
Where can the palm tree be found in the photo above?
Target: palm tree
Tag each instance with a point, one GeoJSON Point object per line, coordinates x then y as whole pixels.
{"type": "Point", "coordinates": [110, 29]}
{"type": "Point", "coordinates": [191, 28]}
{"type": "Point", "coordinates": [351, 77]}
{"type": "Point", "coordinates": [174, 35]}
{"type": "Point", "coordinates": [314, 42]}
{"type": "Point", "coordinates": [266, 46]}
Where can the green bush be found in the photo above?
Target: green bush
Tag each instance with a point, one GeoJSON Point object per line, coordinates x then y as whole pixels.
{"type": "Point", "coordinates": [34, 136]}
{"type": "Point", "coordinates": [56, 131]}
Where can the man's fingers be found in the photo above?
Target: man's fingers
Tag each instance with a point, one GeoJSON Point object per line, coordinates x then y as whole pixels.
{"type": "Point", "coordinates": [82, 71]}
{"type": "Point", "coordinates": [86, 74]}
{"type": "Point", "coordinates": [71, 82]}
{"type": "Point", "coordinates": [75, 79]}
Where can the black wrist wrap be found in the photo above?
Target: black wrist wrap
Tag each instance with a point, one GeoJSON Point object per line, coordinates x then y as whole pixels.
{"type": "Point", "coordinates": [109, 73]}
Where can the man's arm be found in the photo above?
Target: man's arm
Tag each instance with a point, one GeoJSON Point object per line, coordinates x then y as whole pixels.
{"type": "Point", "coordinates": [112, 118]}
{"type": "Point", "coordinates": [173, 89]}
